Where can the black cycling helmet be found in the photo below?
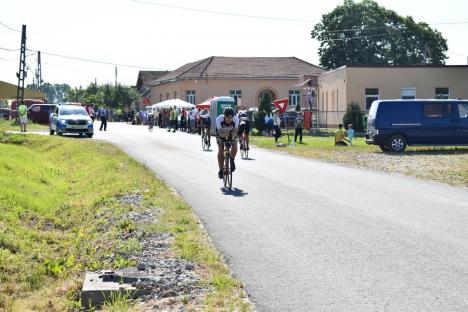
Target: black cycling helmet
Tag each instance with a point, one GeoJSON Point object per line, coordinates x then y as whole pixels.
{"type": "Point", "coordinates": [243, 115]}
{"type": "Point", "coordinates": [228, 112]}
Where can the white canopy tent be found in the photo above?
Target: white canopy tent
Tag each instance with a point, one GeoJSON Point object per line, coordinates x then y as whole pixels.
{"type": "Point", "coordinates": [173, 102]}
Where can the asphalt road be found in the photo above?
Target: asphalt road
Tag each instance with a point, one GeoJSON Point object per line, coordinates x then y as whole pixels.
{"type": "Point", "coordinates": [309, 236]}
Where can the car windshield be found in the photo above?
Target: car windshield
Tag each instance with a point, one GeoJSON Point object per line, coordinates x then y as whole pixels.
{"type": "Point", "coordinates": [73, 111]}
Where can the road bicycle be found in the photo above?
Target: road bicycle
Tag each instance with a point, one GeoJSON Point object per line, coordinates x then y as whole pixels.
{"type": "Point", "coordinates": [244, 147]}
{"type": "Point", "coordinates": [227, 173]}
{"type": "Point", "coordinates": [206, 139]}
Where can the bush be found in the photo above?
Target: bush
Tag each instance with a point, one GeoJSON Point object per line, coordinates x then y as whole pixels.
{"type": "Point", "coordinates": [353, 116]}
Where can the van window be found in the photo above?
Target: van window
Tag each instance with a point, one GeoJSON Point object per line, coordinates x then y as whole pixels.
{"type": "Point", "coordinates": [463, 110]}
{"type": "Point", "coordinates": [438, 110]}
{"type": "Point", "coordinates": [400, 112]}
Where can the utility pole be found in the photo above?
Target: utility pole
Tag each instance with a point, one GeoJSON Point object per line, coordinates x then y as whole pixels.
{"type": "Point", "coordinates": [115, 76]}
{"type": "Point", "coordinates": [21, 74]}
{"type": "Point", "coordinates": [39, 71]}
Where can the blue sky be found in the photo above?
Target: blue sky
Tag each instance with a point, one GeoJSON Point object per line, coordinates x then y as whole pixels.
{"type": "Point", "coordinates": [156, 35]}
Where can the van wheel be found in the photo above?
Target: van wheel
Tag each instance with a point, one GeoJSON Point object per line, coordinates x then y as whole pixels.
{"type": "Point", "coordinates": [384, 148]}
{"type": "Point", "coordinates": [397, 143]}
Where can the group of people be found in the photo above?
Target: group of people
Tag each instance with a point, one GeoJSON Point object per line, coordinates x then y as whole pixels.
{"type": "Point", "coordinates": [344, 137]}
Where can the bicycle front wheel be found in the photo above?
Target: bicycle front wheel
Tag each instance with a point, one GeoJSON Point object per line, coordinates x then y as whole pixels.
{"type": "Point", "coordinates": [227, 174]}
{"type": "Point", "coordinates": [203, 142]}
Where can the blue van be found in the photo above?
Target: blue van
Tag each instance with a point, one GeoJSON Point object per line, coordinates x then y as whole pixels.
{"type": "Point", "coordinates": [394, 124]}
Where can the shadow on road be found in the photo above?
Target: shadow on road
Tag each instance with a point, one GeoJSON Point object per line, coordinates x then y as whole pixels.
{"type": "Point", "coordinates": [233, 192]}
{"type": "Point", "coordinates": [248, 158]}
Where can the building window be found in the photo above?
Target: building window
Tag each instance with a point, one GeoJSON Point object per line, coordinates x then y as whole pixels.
{"type": "Point", "coordinates": [167, 96]}
{"type": "Point", "coordinates": [294, 97]}
{"type": "Point", "coordinates": [438, 110]}
{"type": "Point", "coordinates": [237, 95]}
{"type": "Point", "coordinates": [160, 97]}
{"type": "Point", "coordinates": [175, 94]}
{"type": "Point", "coordinates": [190, 96]}
{"type": "Point", "coordinates": [442, 93]}
{"type": "Point", "coordinates": [408, 93]}
{"type": "Point", "coordinates": [372, 94]}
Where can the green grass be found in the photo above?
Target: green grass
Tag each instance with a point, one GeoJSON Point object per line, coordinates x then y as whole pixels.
{"type": "Point", "coordinates": [444, 164]}
{"type": "Point", "coordinates": [56, 200]}
{"type": "Point", "coordinates": [10, 125]}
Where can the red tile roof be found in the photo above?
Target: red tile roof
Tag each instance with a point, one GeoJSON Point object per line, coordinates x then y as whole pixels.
{"type": "Point", "coordinates": [217, 67]}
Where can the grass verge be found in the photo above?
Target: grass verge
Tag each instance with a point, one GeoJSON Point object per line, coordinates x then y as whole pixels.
{"type": "Point", "coordinates": [57, 199]}
{"type": "Point", "coordinates": [10, 125]}
{"type": "Point", "coordinates": [443, 164]}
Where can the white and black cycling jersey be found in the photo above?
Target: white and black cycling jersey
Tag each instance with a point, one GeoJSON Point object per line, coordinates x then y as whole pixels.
{"type": "Point", "coordinates": [224, 129]}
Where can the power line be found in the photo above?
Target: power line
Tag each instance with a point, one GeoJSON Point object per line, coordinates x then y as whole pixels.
{"type": "Point", "coordinates": [94, 61]}
{"type": "Point", "coordinates": [457, 54]}
{"type": "Point", "coordinates": [8, 27]}
{"type": "Point", "coordinates": [11, 50]}
{"type": "Point", "coordinates": [224, 12]}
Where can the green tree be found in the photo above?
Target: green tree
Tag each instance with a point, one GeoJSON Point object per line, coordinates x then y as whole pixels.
{"type": "Point", "coordinates": [353, 116]}
{"type": "Point", "coordinates": [264, 108]}
{"type": "Point", "coordinates": [366, 33]}
{"type": "Point", "coordinates": [61, 91]}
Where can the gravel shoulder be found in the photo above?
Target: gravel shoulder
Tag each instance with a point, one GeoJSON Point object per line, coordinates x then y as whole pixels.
{"type": "Point", "coordinates": [447, 165]}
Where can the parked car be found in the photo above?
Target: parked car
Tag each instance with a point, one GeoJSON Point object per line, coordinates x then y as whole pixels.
{"type": "Point", "coordinates": [40, 113]}
{"type": "Point", "coordinates": [394, 124]}
{"type": "Point", "coordinates": [5, 113]}
{"type": "Point", "coordinates": [71, 119]}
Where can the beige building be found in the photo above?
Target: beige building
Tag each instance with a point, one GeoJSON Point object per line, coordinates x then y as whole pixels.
{"type": "Point", "coordinates": [244, 78]}
{"type": "Point", "coordinates": [8, 92]}
{"type": "Point", "coordinates": [364, 84]}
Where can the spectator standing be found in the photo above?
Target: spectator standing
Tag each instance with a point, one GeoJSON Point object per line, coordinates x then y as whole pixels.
{"type": "Point", "coordinates": [276, 124]}
{"type": "Point", "coordinates": [299, 123]}
{"type": "Point", "coordinates": [269, 122]}
{"type": "Point", "coordinates": [103, 114]}
{"type": "Point", "coordinates": [23, 116]}
{"type": "Point", "coordinates": [91, 112]}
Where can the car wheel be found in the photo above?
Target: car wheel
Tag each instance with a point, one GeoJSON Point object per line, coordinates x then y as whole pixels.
{"type": "Point", "coordinates": [397, 143]}
{"type": "Point", "coordinates": [51, 131]}
{"type": "Point", "coordinates": [89, 135]}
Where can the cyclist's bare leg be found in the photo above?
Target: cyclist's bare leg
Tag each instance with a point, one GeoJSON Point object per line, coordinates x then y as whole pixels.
{"type": "Point", "coordinates": [220, 156]}
{"type": "Point", "coordinates": [234, 150]}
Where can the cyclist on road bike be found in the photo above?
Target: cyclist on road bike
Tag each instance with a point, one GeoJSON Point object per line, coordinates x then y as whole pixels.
{"type": "Point", "coordinates": [226, 127]}
{"type": "Point", "coordinates": [244, 127]}
{"type": "Point", "coordinates": [205, 121]}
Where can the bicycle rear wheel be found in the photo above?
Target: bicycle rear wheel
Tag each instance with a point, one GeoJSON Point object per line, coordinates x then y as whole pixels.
{"type": "Point", "coordinates": [203, 142]}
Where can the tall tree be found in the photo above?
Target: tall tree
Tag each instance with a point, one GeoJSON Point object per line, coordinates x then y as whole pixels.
{"type": "Point", "coordinates": [366, 33]}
